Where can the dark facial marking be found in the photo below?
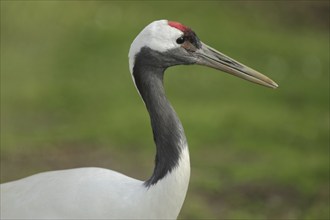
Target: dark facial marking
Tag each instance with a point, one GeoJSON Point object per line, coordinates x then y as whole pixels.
{"type": "Point", "coordinates": [192, 38]}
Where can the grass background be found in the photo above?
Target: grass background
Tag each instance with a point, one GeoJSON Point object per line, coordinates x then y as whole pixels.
{"type": "Point", "coordinates": [67, 100]}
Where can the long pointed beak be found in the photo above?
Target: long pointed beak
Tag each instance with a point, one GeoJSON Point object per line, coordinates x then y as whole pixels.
{"type": "Point", "coordinates": [207, 56]}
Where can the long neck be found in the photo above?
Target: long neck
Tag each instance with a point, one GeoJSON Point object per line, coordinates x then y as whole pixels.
{"type": "Point", "coordinates": [167, 129]}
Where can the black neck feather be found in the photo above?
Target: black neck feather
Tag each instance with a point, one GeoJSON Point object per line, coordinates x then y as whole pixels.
{"type": "Point", "coordinates": [167, 129]}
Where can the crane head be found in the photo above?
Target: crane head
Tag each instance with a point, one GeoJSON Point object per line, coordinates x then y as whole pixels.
{"type": "Point", "coordinates": [173, 44]}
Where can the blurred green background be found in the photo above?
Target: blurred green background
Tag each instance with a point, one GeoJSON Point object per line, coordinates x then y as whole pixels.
{"type": "Point", "coordinates": [67, 100]}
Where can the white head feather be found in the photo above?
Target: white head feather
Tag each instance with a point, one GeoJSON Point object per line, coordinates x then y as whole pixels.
{"type": "Point", "coordinates": [158, 36]}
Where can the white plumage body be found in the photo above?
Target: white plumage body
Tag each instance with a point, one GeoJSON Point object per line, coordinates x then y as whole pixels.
{"type": "Point", "coordinates": [95, 193]}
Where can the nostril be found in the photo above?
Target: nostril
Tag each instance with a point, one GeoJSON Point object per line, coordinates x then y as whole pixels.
{"type": "Point", "coordinates": [231, 62]}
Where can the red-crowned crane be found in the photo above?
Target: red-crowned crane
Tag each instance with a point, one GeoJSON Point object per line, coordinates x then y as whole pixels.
{"type": "Point", "coordinates": [98, 193]}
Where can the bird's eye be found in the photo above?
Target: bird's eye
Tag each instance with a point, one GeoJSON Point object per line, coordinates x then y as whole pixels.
{"type": "Point", "coordinates": [180, 40]}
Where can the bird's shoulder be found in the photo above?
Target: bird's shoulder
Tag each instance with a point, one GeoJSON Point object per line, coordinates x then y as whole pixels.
{"type": "Point", "coordinates": [73, 177]}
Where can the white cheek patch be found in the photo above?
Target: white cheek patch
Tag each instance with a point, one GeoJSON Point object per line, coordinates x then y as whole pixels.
{"type": "Point", "coordinates": [158, 36]}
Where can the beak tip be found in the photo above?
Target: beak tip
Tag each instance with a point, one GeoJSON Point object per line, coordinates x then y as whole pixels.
{"type": "Point", "coordinates": [274, 85]}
